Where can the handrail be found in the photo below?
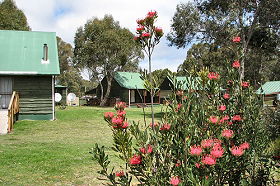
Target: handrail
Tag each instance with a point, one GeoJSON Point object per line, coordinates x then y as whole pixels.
{"type": "Point", "coordinates": [13, 109]}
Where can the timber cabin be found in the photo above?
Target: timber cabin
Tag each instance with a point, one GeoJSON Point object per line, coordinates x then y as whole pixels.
{"type": "Point", "coordinates": [271, 92]}
{"type": "Point", "coordinates": [28, 65]}
{"type": "Point", "coordinates": [182, 83]}
{"type": "Point", "coordinates": [128, 87]}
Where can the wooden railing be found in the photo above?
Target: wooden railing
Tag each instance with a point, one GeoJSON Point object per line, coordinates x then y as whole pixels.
{"type": "Point", "coordinates": [13, 110]}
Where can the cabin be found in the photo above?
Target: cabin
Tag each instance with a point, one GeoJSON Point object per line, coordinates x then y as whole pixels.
{"type": "Point", "coordinates": [271, 92]}
{"type": "Point", "coordinates": [182, 83]}
{"type": "Point", "coordinates": [28, 65]}
{"type": "Point", "coordinates": [128, 87]}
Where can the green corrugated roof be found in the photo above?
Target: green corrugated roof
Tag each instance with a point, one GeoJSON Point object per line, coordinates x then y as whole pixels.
{"type": "Point", "coordinates": [270, 87]}
{"type": "Point", "coordinates": [60, 86]}
{"type": "Point", "coordinates": [129, 80]}
{"type": "Point", "coordinates": [21, 52]}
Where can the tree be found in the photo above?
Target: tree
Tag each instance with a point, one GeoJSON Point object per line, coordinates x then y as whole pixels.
{"type": "Point", "coordinates": [69, 75]}
{"type": "Point", "coordinates": [102, 47]}
{"type": "Point", "coordinates": [11, 18]}
{"type": "Point", "coordinates": [216, 21]}
{"type": "Point", "coordinates": [160, 74]}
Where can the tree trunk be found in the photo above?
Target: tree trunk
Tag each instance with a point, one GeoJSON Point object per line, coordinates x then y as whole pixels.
{"type": "Point", "coordinates": [108, 90]}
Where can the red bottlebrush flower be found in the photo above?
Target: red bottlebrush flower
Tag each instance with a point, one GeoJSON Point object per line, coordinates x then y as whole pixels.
{"type": "Point", "coordinates": [237, 151]}
{"type": "Point", "coordinates": [149, 149]}
{"type": "Point", "coordinates": [151, 14]}
{"type": "Point", "coordinates": [236, 118]}
{"type": "Point", "coordinates": [195, 150]}
{"type": "Point", "coordinates": [197, 165]}
{"type": "Point", "coordinates": [216, 142]}
{"type": "Point", "coordinates": [117, 121]}
{"type": "Point", "coordinates": [226, 96]}
{"type": "Point", "coordinates": [120, 105]}
{"type": "Point", "coordinates": [206, 143]}
{"type": "Point", "coordinates": [135, 160]}
{"type": "Point", "coordinates": [140, 21]}
{"type": "Point", "coordinates": [208, 160]}
{"type": "Point", "coordinates": [217, 152]}
{"type": "Point", "coordinates": [119, 173]}
{"type": "Point", "coordinates": [229, 122]}
{"type": "Point", "coordinates": [165, 127]}
{"type": "Point", "coordinates": [244, 145]}
{"type": "Point", "coordinates": [145, 34]}
{"type": "Point", "coordinates": [227, 133]}
{"type": "Point", "coordinates": [236, 39]}
{"type": "Point", "coordinates": [213, 75]}
{"type": "Point", "coordinates": [222, 108]}
{"type": "Point", "coordinates": [175, 180]}
{"type": "Point", "coordinates": [158, 30]}
{"type": "Point", "coordinates": [125, 125]}
{"type": "Point", "coordinates": [140, 28]}
{"type": "Point", "coordinates": [108, 115]}
{"type": "Point", "coordinates": [213, 119]}
{"type": "Point", "coordinates": [178, 107]}
{"type": "Point", "coordinates": [236, 64]}
{"type": "Point", "coordinates": [224, 119]}
{"type": "Point", "coordinates": [143, 150]}
{"type": "Point", "coordinates": [121, 113]}
{"type": "Point", "coordinates": [245, 84]}
{"type": "Point", "coordinates": [178, 164]}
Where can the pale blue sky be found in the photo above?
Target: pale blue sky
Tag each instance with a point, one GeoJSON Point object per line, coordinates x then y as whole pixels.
{"type": "Point", "coordinates": [65, 16]}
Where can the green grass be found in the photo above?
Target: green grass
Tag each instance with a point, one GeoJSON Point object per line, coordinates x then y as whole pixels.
{"type": "Point", "coordinates": [57, 152]}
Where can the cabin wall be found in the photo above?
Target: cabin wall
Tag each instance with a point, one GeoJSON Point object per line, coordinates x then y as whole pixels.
{"type": "Point", "coordinates": [35, 95]}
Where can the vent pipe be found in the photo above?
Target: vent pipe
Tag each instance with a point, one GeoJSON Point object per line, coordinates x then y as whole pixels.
{"type": "Point", "coordinates": [45, 58]}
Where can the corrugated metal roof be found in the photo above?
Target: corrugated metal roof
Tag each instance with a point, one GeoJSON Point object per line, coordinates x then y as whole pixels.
{"type": "Point", "coordinates": [21, 52]}
{"type": "Point", "coordinates": [270, 87]}
{"type": "Point", "coordinates": [129, 80]}
{"type": "Point", "coordinates": [60, 86]}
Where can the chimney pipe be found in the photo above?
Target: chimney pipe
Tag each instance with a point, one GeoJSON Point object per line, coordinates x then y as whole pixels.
{"type": "Point", "coordinates": [45, 52]}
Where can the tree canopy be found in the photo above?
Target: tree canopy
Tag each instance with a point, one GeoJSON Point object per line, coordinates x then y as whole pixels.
{"type": "Point", "coordinates": [12, 18]}
{"type": "Point", "coordinates": [216, 22]}
{"type": "Point", "coordinates": [102, 47]}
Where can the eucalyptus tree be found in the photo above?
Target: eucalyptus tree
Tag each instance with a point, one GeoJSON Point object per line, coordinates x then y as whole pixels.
{"type": "Point", "coordinates": [103, 47]}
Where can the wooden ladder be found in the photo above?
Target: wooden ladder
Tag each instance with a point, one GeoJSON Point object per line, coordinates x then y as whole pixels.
{"type": "Point", "coordinates": [13, 109]}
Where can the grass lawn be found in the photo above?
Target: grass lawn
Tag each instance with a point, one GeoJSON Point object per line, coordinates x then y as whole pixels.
{"type": "Point", "coordinates": [57, 152]}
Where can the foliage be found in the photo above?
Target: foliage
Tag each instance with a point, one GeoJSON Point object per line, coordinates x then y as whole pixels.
{"type": "Point", "coordinates": [102, 47]}
{"type": "Point", "coordinates": [11, 18]}
{"type": "Point", "coordinates": [161, 74]}
{"type": "Point", "coordinates": [202, 138]}
{"type": "Point", "coordinates": [215, 22]}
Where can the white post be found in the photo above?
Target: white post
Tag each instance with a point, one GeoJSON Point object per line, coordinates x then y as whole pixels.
{"type": "Point", "coordinates": [53, 105]}
{"type": "Point", "coordinates": [129, 98]}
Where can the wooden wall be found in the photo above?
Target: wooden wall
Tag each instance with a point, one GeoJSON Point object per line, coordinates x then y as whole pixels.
{"type": "Point", "coordinates": [35, 93]}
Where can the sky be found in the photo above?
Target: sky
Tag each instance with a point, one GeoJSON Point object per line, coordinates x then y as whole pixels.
{"type": "Point", "coordinates": [65, 16]}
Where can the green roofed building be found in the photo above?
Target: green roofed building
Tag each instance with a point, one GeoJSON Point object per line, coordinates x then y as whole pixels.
{"type": "Point", "coordinates": [28, 65]}
{"type": "Point", "coordinates": [128, 87]}
{"type": "Point", "coordinates": [270, 88]}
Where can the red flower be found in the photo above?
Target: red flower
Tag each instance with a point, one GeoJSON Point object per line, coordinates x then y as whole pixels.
{"type": "Point", "coordinates": [226, 96]}
{"type": "Point", "coordinates": [158, 30]}
{"type": "Point", "coordinates": [225, 118]}
{"type": "Point", "coordinates": [151, 14]}
{"type": "Point", "coordinates": [227, 133]}
{"type": "Point", "coordinates": [236, 39]}
{"type": "Point", "coordinates": [140, 28]}
{"type": "Point", "coordinates": [236, 64]}
{"type": "Point", "coordinates": [208, 160]}
{"type": "Point", "coordinates": [206, 143]}
{"type": "Point", "coordinates": [143, 150]}
{"type": "Point", "coordinates": [217, 152]}
{"type": "Point", "coordinates": [136, 38]}
{"type": "Point", "coordinates": [135, 160]}
{"type": "Point", "coordinates": [154, 125]}
{"type": "Point", "coordinates": [236, 118]}
{"type": "Point", "coordinates": [119, 173]}
{"type": "Point", "coordinates": [175, 180]}
{"type": "Point", "coordinates": [121, 113]}
{"type": "Point", "coordinates": [237, 151]}
{"type": "Point", "coordinates": [108, 115]}
{"type": "Point", "coordinates": [117, 121]}
{"type": "Point", "coordinates": [178, 164]}
{"type": "Point", "coordinates": [244, 145]}
{"type": "Point", "coordinates": [178, 107]}
{"type": "Point", "coordinates": [214, 119]}
{"type": "Point", "coordinates": [145, 34]}
{"type": "Point", "coordinates": [165, 127]}
{"type": "Point", "coordinates": [149, 149]}
{"type": "Point", "coordinates": [125, 125]}
{"type": "Point", "coordinates": [222, 107]}
{"type": "Point", "coordinates": [140, 21]}
{"type": "Point", "coordinates": [195, 150]}
{"type": "Point", "coordinates": [213, 75]}
{"type": "Point", "coordinates": [197, 165]}
{"type": "Point", "coordinates": [245, 84]}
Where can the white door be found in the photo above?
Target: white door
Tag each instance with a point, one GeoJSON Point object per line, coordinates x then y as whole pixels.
{"type": "Point", "coordinates": [6, 90]}
{"type": "Point", "coordinates": [132, 96]}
